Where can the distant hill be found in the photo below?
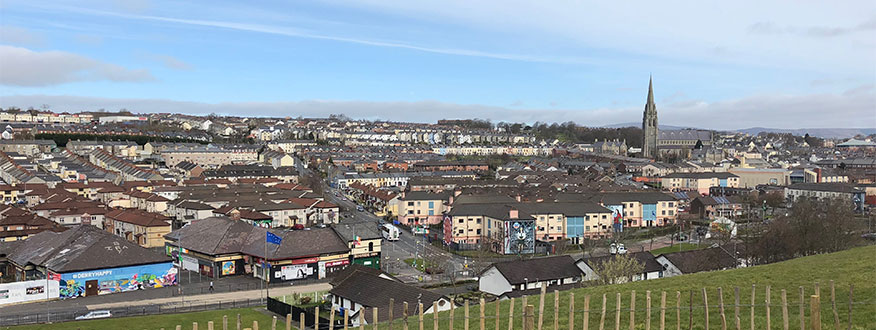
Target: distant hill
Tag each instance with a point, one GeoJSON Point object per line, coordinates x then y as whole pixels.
{"type": "Point", "coordinates": [639, 125]}
{"type": "Point", "coordinates": [829, 133]}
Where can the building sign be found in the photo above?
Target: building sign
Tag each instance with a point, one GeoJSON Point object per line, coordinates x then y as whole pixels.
{"type": "Point", "coordinates": [305, 261]}
{"type": "Point", "coordinates": [337, 263]}
{"type": "Point", "coordinates": [295, 272]}
{"type": "Point", "coordinates": [17, 292]}
{"type": "Point", "coordinates": [35, 290]}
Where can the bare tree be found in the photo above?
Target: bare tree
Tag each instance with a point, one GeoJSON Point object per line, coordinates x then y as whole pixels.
{"type": "Point", "coordinates": [619, 268]}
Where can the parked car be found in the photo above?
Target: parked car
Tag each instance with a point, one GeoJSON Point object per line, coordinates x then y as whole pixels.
{"type": "Point", "coordinates": [617, 248]}
{"type": "Point", "coordinates": [95, 315]}
{"type": "Point", "coordinates": [680, 237]}
{"type": "Point", "coordinates": [297, 226]}
{"type": "Point", "coordinates": [360, 208]}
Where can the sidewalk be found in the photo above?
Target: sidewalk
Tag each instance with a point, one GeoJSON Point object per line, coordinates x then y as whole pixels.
{"type": "Point", "coordinates": [216, 297]}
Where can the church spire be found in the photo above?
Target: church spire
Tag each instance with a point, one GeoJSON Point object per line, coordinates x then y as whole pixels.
{"type": "Point", "coordinates": [650, 90]}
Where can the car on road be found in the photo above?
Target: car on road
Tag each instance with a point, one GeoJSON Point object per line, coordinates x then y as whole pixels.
{"type": "Point", "coordinates": [680, 237]}
{"type": "Point", "coordinates": [617, 248]}
{"type": "Point", "coordinates": [360, 208]}
{"type": "Point", "coordinates": [95, 315]}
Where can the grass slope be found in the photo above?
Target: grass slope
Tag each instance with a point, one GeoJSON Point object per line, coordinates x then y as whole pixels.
{"type": "Point", "coordinates": [856, 266]}
{"type": "Point", "coordinates": [167, 321]}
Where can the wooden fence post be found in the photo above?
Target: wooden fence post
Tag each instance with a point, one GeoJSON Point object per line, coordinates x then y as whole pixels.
{"type": "Point", "coordinates": [289, 321]}
{"type": "Point", "coordinates": [802, 309]}
{"type": "Point", "coordinates": [556, 309]}
{"type": "Point", "coordinates": [178, 327]}
{"type": "Point", "coordinates": [331, 324]}
{"type": "Point", "coordinates": [690, 311]}
{"type": "Point", "coordinates": [209, 325]}
{"type": "Point", "coordinates": [391, 307]}
{"type": "Point", "coordinates": [420, 306]}
{"type": "Point", "coordinates": [274, 323]}
{"type": "Point", "coordinates": [435, 316]}
{"type": "Point", "coordinates": [194, 325]}
{"type": "Point", "coordinates": [238, 321]}
{"type": "Point", "coordinates": [768, 317]}
{"type": "Point", "coordinates": [452, 312]}
{"type": "Point", "coordinates": [529, 318]}
{"type": "Point", "coordinates": [483, 314]}
{"type": "Point", "coordinates": [466, 315]}
{"type": "Point", "coordinates": [541, 306]}
{"type": "Point", "coordinates": [784, 310]}
{"type": "Point", "coordinates": [510, 315]}
{"type": "Point", "coordinates": [833, 305]}
{"type": "Point", "coordinates": [633, 310]}
{"type": "Point", "coordinates": [706, 306]}
{"type": "Point", "coordinates": [346, 319]}
{"type": "Point", "coordinates": [815, 312]}
{"type": "Point", "coordinates": [648, 310]}
{"type": "Point", "coordinates": [617, 312]}
{"type": "Point", "coordinates": [361, 319]}
{"type": "Point", "coordinates": [677, 310]}
{"type": "Point", "coordinates": [736, 308]}
{"type": "Point", "coordinates": [663, 310]}
{"type": "Point", "coordinates": [224, 322]}
{"type": "Point", "coordinates": [602, 318]}
{"type": "Point", "coordinates": [721, 308]}
{"type": "Point", "coordinates": [300, 321]}
{"type": "Point", "coordinates": [316, 318]}
{"type": "Point", "coordinates": [374, 317]}
{"type": "Point", "coordinates": [405, 315]}
{"type": "Point", "coordinates": [851, 293]}
{"type": "Point", "coordinates": [498, 312]}
{"type": "Point", "coordinates": [255, 325]}
{"type": "Point", "coordinates": [752, 306]}
{"type": "Point", "coordinates": [571, 310]}
{"type": "Point", "coordinates": [586, 316]}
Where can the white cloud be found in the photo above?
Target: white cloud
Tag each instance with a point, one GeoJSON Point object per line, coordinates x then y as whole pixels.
{"type": "Point", "coordinates": [15, 35]}
{"type": "Point", "coordinates": [24, 67]}
{"type": "Point", "coordinates": [853, 108]}
{"type": "Point", "coordinates": [170, 62]}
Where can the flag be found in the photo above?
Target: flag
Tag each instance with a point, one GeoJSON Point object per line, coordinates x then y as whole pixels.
{"type": "Point", "coordinates": [273, 239]}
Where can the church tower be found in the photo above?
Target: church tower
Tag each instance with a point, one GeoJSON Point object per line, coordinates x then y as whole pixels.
{"type": "Point", "coordinates": [649, 125]}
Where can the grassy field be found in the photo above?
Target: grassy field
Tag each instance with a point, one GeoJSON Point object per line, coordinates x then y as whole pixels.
{"type": "Point", "coordinates": [167, 321]}
{"type": "Point", "coordinates": [316, 298]}
{"type": "Point", "coordinates": [678, 247]}
{"type": "Point", "coordinates": [856, 266]}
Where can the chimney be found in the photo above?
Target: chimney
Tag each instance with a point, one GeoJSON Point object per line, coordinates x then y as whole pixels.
{"type": "Point", "coordinates": [513, 214]}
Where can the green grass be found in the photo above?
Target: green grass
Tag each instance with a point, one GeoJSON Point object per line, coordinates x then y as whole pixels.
{"type": "Point", "coordinates": [418, 263]}
{"type": "Point", "coordinates": [856, 266]}
{"type": "Point", "coordinates": [678, 247]}
{"type": "Point", "coordinates": [290, 299]}
{"type": "Point", "coordinates": [167, 321]}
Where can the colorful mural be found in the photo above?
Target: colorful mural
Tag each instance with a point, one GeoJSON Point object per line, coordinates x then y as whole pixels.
{"type": "Point", "coordinates": [617, 215]}
{"type": "Point", "coordinates": [119, 279]}
{"type": "Point", "coordinates": [228, 268]}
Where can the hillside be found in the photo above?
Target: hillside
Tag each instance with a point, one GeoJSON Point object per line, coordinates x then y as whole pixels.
{"type": "Point", "coordinates": [856, 266]}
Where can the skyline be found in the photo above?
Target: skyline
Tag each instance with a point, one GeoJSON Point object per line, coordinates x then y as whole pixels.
{"type": "Point", "coordinates": [520, 62]}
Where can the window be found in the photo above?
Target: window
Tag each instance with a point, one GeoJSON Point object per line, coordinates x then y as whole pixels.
{"type": "Point", "coordinates": [370, 246]}
{"type": "Point", "coordinates": [663, 212]}
{"type": "Point", "coordinates": [431, 205]}
{"type": "Point", "coordinates": [461, 220]}
{"type": "Point", "coordinates": [479, 232]}
{"type": "Point", "coordinates": [479, 221]}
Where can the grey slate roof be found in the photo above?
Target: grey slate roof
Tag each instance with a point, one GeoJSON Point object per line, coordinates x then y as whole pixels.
{"type": "Point", "coordinates": [538, 269]}
{"type": "Point", "coordinates": [703, 260]}
{"type": "Point", "coordinates": [83, 247]}
{"type": "Point", "coordinates": [222, 235]}
{"type": "Point", "coordinates": [373, 291]}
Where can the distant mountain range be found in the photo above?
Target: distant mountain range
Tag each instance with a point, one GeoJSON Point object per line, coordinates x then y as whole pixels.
{"type": "Point", "coordinates": [828, 133]}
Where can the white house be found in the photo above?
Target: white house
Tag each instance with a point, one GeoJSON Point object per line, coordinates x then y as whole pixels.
{"type": "Point", "coordinates": [652, 270]}
{"type": "Point", "coordinates": [511, 278]}
{"type": "Point", "coordinates": [361, 290]}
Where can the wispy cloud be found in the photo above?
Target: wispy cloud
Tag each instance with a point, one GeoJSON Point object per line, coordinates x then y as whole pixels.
{"type": "Point", "coordinates": [14, 35]}
{"type": "Point", "coordinates": [302, 33]}
{"type": "Point", "coordinates": [24, 67]}
{"type": "Point", "coordinates": [768, 27]}
{"type": "Point", "coordinates": [170, 62]}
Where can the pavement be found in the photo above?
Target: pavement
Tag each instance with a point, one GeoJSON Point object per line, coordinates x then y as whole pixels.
{"type": "Point", "coordinates": [215, 297]}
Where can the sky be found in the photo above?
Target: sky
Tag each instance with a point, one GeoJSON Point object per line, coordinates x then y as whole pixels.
{"type": "Point", "coordinates": [715, 64]}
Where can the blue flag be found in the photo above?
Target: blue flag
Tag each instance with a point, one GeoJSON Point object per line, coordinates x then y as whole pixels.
{"type": "Point", "coordinates": [274, 239]}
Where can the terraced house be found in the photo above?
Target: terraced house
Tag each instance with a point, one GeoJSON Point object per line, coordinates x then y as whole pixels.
{"type": "Point", "coordinates": [143, 228]}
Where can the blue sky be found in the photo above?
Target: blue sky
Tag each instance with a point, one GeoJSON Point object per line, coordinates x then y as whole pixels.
{"type": "Point", "coordinates": [715, 65]}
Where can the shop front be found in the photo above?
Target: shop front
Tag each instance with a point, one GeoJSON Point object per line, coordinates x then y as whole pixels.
{"type": "Point", "coordinates": [119, 279]}
{"type": "Point", "coordinates": [295, 269]}
{"type": "Point", "coordinates": [370, 260]}
{"type": "Point", "coordinates": [329, 265]}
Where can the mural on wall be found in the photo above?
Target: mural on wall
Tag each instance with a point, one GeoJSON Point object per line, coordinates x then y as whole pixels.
{"type": "Point", "coordinates": [228, 268]}
{"type": "Point", "coordinates": [519, 237]}
{"type": "Point", "coordinates": [119, 279]}
{"type": "Point", "coordinates": [617, 216]}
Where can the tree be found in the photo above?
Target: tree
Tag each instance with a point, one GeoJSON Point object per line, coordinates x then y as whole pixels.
{"type": "Point", "coordinates": [619, 268]}
{"type": "Point", "coordinates": [810, 227]}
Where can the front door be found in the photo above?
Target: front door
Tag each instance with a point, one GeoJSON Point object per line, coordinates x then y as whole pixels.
{"type": "Point", "coordinates": [91, 288]}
